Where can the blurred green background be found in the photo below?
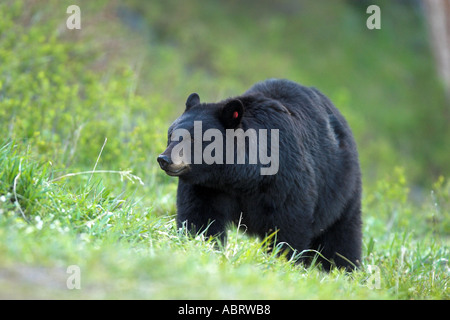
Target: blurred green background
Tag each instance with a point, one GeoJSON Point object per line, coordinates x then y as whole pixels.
{"type": "Point", "coordinates": [126, 74]}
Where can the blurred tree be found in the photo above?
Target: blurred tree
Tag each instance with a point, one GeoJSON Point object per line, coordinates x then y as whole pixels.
{"type": "Point", "coordinates": [438, 16]}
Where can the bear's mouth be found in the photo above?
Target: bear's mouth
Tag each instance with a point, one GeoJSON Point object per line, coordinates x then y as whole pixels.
{"type": "Point", "coordinates": [176, 171]}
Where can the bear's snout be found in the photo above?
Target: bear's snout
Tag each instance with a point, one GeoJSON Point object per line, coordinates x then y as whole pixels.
{"type": "Point", "coordinates": [172, 169]}
{"type": "Point", "coordinates": [164, 161]}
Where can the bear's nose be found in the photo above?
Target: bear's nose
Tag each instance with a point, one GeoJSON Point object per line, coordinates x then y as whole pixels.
{"type": "Point", "coordinates": [164, 161]}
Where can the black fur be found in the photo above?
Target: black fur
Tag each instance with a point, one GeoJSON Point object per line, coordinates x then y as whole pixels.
{"type": "Point", "coordinates": [192, 100]}
{"type": "Point", "coordinates": [314, 201]}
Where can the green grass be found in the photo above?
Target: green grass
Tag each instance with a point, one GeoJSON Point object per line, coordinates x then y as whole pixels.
{"type": "Point", "coordinates": [70, 197]}
{"type": "Point", "coordinates": [125, 250]}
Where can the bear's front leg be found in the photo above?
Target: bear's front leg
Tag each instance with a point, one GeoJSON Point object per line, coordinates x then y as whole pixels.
{"type": "Point", "coordinates": [204, 209]}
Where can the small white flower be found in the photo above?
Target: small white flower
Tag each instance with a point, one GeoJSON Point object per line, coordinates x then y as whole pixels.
{"type": "Point", "coordinates": [39, 222]}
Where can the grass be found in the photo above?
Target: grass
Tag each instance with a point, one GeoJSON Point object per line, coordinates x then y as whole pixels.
{"type": "Point", "coordinates": [85, 113]}
{"type": "Point", "coordinates": [125, 250]}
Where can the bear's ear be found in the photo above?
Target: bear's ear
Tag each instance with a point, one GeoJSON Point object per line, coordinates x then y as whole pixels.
{"type": "Point", "coordinates": [192, 100]}
{"type": "Point", "coordinates": [232, 113]}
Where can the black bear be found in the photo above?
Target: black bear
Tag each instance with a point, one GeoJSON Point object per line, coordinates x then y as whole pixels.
{"type": "Point", "coordinates": [279, 158]}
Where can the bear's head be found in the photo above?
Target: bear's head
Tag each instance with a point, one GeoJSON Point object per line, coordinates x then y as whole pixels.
{"type": "Point", "coordinates": [207, 141]}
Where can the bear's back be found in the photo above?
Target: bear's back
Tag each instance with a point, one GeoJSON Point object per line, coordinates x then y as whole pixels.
{"type": "Point", "coordinates": [285, 91]}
